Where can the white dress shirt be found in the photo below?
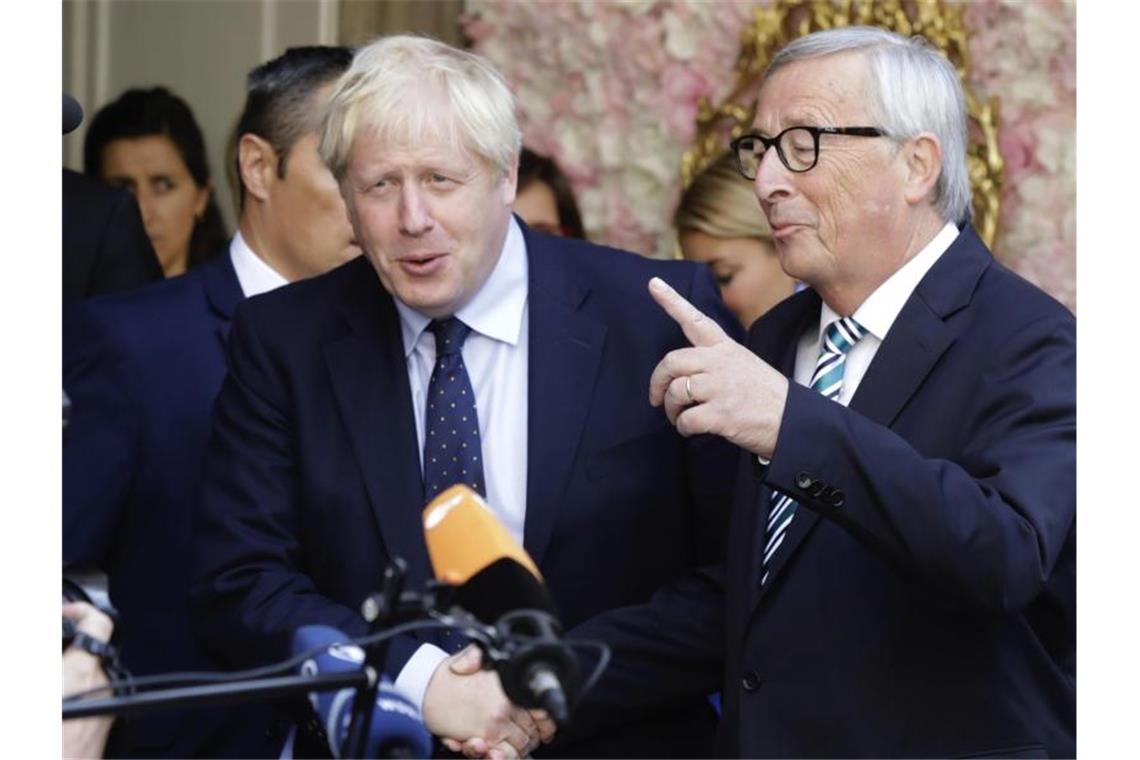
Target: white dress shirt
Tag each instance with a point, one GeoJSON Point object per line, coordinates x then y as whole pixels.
{"type": "Point", "coordinates": [254, 275]}
{"type": "Point", "coordinates": [496, 356]}
{"type": "Point", "coordinates": [876, 315]}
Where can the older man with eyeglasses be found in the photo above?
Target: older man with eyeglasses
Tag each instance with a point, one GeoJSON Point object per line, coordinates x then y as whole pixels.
{"type": "Point", "coordinates": [901, 577]}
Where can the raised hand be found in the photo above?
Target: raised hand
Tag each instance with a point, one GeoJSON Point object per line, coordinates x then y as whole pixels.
{"type": "Point", "coordinates": [717, 386]}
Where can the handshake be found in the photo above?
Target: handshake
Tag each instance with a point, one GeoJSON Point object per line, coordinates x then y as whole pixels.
{"type": "Point", "coordinates": [464, 704]}
{"type": "Point", "coordinates": [499, 698]}
{"type": "Point", "coordinates": [466, 707]}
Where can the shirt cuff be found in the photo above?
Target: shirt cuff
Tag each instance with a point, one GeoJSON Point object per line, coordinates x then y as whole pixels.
{"type": "Point", "coordinates": [413, 679]}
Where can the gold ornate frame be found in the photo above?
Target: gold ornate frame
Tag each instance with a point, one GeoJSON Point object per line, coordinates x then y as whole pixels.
{"type": "Point", "coordinates": [774, 26]}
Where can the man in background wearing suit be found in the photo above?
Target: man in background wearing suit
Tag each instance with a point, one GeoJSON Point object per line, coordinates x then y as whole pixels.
{"type": "Point", "coordinates": [901, 571]}
{"type": "Point", "coordinates": [142, 370]}
{"type": "Point", "coordinates": [332, 429]}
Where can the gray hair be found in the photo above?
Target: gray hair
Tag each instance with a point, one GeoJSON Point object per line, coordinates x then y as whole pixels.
{"type": "Point", "coordinates": [914, 89]}
{"type": "Point", "coordinates": [394, 88]}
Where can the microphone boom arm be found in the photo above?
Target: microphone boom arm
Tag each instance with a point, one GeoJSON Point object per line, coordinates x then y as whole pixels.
{"type": "Point", "coordinates": [216, 694]}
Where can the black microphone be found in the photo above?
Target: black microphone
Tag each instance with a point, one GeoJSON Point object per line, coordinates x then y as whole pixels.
{"type": "Point", "coordinates": [396, 728]}
{"type": "Point", "coordinates": [72, 113]}
{"type": "Point", "coordinates": [499, 583]}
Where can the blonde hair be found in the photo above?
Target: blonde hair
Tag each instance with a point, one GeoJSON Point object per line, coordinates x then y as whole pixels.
{"type": "Point", "coordinates": [395, 88]}
{"type": "Point", "coordinates": [721, 203]}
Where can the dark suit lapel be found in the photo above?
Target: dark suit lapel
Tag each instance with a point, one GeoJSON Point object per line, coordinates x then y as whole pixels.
{"type": "Point", "coordinates": [783, 357]}
{"type": "Point", "coordinates": [223, 290]}
{"type": "Point", "coordinates": [917, 339]}
{"type": "Point", "coordinates": [920, 334]}
{"type": "Point", "coordinates": [565, 354]}
{"type": "Point", "coordinates": [369, 377]}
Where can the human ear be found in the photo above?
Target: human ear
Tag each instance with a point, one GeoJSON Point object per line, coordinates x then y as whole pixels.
{"type": "Point", "coordinates": [257, 163]}
{"type": "Point", "coordinates": [510, 183]}
{"type": "Point", "coordinates": [923, 157]}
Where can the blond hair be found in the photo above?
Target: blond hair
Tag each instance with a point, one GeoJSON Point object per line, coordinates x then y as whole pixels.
{"type": "Point", "coordinates": [721, 203]}
{"type": "Point", "coordinates": [395, 89]}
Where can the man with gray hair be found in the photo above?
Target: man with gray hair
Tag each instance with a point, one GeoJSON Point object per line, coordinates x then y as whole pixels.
{"type": "Point", "coordinates": [901, 569]}
{"type": "Point", "coordinates": [463, 347]}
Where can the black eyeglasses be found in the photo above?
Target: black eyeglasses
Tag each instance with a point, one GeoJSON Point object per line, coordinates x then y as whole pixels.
{"type": "Point", "coordinates": [797, 147]}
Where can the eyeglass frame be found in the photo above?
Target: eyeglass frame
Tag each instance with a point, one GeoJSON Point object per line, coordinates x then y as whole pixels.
{"type": "Point", "coordinates": [815, 132]}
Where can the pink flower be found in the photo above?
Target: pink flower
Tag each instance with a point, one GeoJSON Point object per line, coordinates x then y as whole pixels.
{"type": "Point", "coordinates": [681, 121]}
{"type": "Point", "coordinates": [561, 102]}
{"type": "Point", "coordinates": [683, 84]}
{"type": "Point", "coordinates": [1017, 147]}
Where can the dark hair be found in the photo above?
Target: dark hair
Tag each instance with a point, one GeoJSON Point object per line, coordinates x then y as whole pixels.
{"type": "Point", "coordinates": [158, 111]}
{"type": "Point", "coordinates": [534, 167]}
{"type": "Point", "coordinates": [278, 105]}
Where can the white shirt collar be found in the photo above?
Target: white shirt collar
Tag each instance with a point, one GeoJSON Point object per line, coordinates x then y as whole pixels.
{"type": "Point", "coordinates": [254, 275]}
{"type": "Point", "coordinates": [882, 307]}
{"type": "Point", "coordinates": [496, 310]}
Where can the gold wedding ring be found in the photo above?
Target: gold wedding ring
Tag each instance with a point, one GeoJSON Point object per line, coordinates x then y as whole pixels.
{"type": "Point", "coordinates": [689, 389]}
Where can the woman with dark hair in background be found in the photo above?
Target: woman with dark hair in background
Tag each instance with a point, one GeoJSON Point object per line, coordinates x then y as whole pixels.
{"type": "Point", "coordinates": [545, 200]}
{"type": "Point", "coordinates": [720, 223]}
{"type": "Point", "coordinates": [149, 142]}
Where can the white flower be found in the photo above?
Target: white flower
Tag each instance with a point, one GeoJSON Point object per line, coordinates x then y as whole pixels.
{"type": "Point", "coordinates": [636, 7]}
{"type": "Point", "coordinates": [611, 145]}
{"type": "Point", "coordinates": [1056, 152]}
{"type": "Point", "coordinates": [681, 36]}
{"type": "Point", "coordinates": [598, 34]}
{"type": "Point", "coordinates": [645, 195]}
{"type": "Point", "coordinates": [577, 140]}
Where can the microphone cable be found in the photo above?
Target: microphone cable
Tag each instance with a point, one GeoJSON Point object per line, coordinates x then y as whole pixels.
{"type": "Point", "coordinates": [196, 678]}
{"type": "Point", "coordinates": [481, 633]}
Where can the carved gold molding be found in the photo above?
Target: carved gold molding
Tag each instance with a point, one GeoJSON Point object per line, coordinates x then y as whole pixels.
{"type": "Point", "coordinates": [774, 26]}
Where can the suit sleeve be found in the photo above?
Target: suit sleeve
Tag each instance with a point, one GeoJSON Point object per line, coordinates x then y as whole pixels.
{"type": "Point", "coordinates": [987, 528]}
{"type": "Point", "coordinates": [671, 647]}
{"type": "Point", "coordinates": [250, 590]}
{"type": "Point", "coordinates": [100, 448]}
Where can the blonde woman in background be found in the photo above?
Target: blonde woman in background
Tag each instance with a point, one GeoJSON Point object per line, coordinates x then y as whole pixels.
{"type": "Point", "coordinates": [719, 222]}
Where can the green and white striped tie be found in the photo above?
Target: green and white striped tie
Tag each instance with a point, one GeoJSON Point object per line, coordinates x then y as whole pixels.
{"type": "Point", "coordinates": [839, 338]}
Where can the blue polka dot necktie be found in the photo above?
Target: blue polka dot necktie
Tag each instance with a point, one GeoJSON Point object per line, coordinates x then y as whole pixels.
{"type": "Point", "coordinates": [827, 379]}
{"type": "Point", "coordinates": [452, 453]}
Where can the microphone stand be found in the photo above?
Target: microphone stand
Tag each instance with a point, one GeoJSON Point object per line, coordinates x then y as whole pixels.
{"type": "Point", "coordinates": [390, 606]}
{"type": "Point", "coordinates": [379, 610]}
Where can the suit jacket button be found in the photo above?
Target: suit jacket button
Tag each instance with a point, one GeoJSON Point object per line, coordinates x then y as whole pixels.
{"type": "Point", "coordinates": [803, 480]}
{"type": "Point", "coordinates": [837, 499]}
{"type": "Point", "coordinates": [751, 681]}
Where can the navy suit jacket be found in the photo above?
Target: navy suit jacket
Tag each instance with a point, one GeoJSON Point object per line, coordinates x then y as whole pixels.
{"type": "Point", "coordinates": [314, 479]}
{"type": "Point", "coordinates": [923, 602]}
{"type": "Point", "coordinates": [142, 370]}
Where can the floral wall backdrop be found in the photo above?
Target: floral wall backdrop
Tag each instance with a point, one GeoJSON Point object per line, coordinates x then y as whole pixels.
{"type": "Point", "coordinates": [610, 91]}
